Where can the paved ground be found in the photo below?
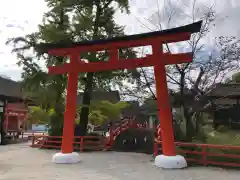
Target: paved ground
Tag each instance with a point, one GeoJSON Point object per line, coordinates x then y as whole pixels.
{"type": "Point", "coordinates": [20, 162]}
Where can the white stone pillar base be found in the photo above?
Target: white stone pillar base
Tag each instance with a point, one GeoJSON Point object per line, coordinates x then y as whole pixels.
{"type": "Point", "coordinates": [170, 162]}
{"type": "Point", "coordinates": [70, 158]}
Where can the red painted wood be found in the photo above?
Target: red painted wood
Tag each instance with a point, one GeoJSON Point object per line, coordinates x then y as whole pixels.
{"type": "Point", "coordinates": [123, 44]}
{"type": "Point", "coordinates": [16, 110]}
{"type": "Point", "coordinates": [207, 145]}
{"type": "Point", "coordinates": [204, 154]}
{"type": "Point", "coordinates": [158, 60]}
{"type": "Point", "coordinates": [81, 144]}
{"type": "Point", "coordinates": [225, 155]}
{"type": "Point", "coordinates": [155, 149]}
{"type": "Point", "coordinates": [70, 112]}
{"type": "Point", "coordinates": [13, 112]}
{"type": "Point", "coordinates": [120, 64]}
{"type": "Point", "coordinates": [190, 152]}
{"type": "Point", "coordinates": [163, 103]}
{"type": "Point", "coordinates": [113, 55]}
{"type": "Point", "coordinates": [224, 163]}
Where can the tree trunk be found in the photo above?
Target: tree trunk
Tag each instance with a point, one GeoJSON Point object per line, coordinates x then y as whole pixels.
{"type": "Point", "coordinates": [85, 109]}
{"type": "Point", "coordinates": [89, 84]}
{"type": "Point", "coordinates": [187, 117]}
{"type": "Point", "coordinates": [189, 127]}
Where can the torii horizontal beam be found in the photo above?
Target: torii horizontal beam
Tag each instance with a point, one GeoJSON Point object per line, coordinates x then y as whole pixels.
{"type": "Point", "coordinates": [119, 64]}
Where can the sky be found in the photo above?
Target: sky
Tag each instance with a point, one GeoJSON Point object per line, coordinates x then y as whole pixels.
{"type": "Point", "coordinates": [17, 20]}
{"type": "Point", "coordinates": [25, 15]}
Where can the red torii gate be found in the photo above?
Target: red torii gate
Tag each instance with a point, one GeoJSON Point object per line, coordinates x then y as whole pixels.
{"type": "Point", "coordinates": [158, 59]}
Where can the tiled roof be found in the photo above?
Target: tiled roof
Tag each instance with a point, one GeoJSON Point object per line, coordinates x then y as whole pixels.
{"type": "Point", "coordinates": [10, 88]}
{"type": "Point", "coordinates": [226, 90]}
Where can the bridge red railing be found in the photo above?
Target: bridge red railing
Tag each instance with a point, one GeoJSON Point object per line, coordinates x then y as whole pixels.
{"type": "Point", "coordinates": [123, 125]}
{"type": "Point", "coordinates": [80, 142]}
{"type": "Point", "coordinates": [206, 154]}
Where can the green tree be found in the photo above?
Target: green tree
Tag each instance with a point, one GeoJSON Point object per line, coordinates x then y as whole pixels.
{"type": "Point", "coordinates": [47, 90]}
{"type": "Point", "coordinates": [100, 111]}
{"type": "Point", "coordinates": [37, 115]}
{"type": "Point", "coordinates": [211, 67]}
{"type": "Point", "coordinates": [110, 111]}
{"type": "Point", "coordinates": [66, 22]}
{"type": "Point", "coordinates": [99, 20]}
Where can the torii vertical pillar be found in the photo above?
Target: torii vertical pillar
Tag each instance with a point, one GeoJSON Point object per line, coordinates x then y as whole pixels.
{"type": "Point", "coordinates": [168, 159]}
{"type": "Point", "coordinates": [67, 156]}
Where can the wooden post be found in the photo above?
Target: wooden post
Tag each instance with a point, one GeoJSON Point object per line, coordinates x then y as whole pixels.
{"type": "Point", "coordinates": [81, 143]}
{"type": "Point", "coordinates": [70, 111]}
{"type": "Point", "coordinates": [111, 136]}
{"type": "Point", "coordinates": [33, 139]}
{"type": "Point", "coordinates": [163, 103]}
{"type": "Point", "coordinates": [155, 148]}
{"type": "Point", "coordinates": [204, 155]}
{"type": "Point", "coordinates": [6, 116]}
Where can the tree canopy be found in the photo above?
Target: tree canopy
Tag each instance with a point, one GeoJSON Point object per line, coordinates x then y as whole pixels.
{"type": "Point", "coordinates": [70, 21]}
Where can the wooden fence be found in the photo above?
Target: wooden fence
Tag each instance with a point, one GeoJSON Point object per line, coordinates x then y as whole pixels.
{"type": "Point", "coordinates": [204, 154]}
{"type": "Point", "coordinates": [80, 142]}
{"type": "Point", "coordinates": [207, 154]}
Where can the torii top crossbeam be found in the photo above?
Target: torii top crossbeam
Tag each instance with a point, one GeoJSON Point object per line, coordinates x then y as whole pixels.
{"type": "Point", "coordinates": [113, 44]}
{"type": "Point", "coordinates": [169, 35]}
{"type": "Point", "coordinates": [158, 59]}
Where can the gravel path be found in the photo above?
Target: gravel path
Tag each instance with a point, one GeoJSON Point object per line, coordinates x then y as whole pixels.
{"type": "Point", "coordinates": [20, 162]}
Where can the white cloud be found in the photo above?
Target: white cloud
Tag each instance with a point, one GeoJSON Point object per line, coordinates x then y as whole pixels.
{"type": "Point", "coordinates": [17, 18]}
{"type": "Point", "coordinates": [144, 17]}
{"type": "Point", "coordinates": [227, 11]}
{"type": "Point", "coordinates": [21, 17]}
{"type": "Point", "coordinates": [226, 24]}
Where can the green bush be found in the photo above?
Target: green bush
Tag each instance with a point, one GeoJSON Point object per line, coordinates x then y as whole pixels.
{"type": "Point", "coordinates": [56, 123]}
